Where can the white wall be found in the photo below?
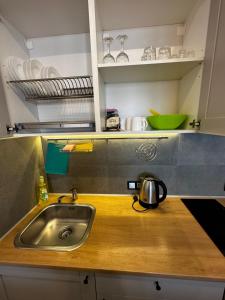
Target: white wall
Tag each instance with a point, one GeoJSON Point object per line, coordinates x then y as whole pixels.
{"type": "Point", "coordinates": [68, 110]}
{"type": "Point", "coordinates": [12, 44]}
{"type": "Point", "coordinates": [70, 54]}
{"type": "Point", "coordinates": [135, 99]}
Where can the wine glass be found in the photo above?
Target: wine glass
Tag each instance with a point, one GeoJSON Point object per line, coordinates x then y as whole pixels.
{"type": "Point", "coordinates": [122, 56]}
{"type": "Point", "coordinates": [108, 58]}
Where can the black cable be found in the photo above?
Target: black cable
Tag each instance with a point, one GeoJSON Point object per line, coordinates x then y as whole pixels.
{"type": "Point", "coordinates": [135, 197]}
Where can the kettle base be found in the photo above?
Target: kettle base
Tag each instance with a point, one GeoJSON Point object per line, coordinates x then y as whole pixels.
{"type": "Point", "coordinates": [147, 205]}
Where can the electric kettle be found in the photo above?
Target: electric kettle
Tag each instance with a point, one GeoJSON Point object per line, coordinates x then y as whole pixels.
{"type": "Point", "coordinates": [150, 192]}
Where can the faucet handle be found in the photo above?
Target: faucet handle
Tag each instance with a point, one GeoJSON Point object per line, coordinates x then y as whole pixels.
{"type": "Point", "coordinates": [74, 194]}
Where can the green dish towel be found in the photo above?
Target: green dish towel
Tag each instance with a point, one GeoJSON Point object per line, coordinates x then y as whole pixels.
{"type": "Point", "coordinates": [56, 161]}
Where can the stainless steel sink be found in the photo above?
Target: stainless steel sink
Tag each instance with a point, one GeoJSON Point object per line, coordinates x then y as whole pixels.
{"type": "Point", "coordinates": [60, 227]}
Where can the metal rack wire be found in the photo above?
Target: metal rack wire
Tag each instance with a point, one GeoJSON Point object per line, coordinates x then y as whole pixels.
{"type": "Point", "coordinates": [55, 88]}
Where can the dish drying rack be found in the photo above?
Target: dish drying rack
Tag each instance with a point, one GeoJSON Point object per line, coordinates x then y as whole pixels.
{"type": "Point", "coordinates": [55, 88]}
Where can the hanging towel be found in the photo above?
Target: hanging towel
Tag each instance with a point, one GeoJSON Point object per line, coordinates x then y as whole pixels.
{"type": "Point", "coordinates": [84, 147]}
{"type": "Point", "coordinates": [68, 148]}
{"type": "Point", "coordinates": [56, 161]}
{"type": "Point", "coordinates": [81, 147]}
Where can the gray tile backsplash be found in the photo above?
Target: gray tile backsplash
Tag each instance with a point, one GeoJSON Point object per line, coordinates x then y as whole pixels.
{"type": "Point", "coordinates": [201, 149]}
{"type": "Point", "coordinates": [20, 162]}
{"type": "Point", "coordinates": [200, 180]}
{"type": "Point", "coordinates": [189, 164]}
{"type": "Point", "coordinates": [125, 152]}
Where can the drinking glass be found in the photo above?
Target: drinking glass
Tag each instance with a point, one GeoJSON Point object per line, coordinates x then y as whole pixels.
{"type": "Point", "coordinates": [149, 53]}
{"type": "Point", "coordinates": [122, 56]}
{"type": "Point", "coordinates": [108, 58]}
{"type": "Point", "coordinates": [182, 53]}
{"type": "Point", "coordinates": [164, 53]}
{"type": "Point", "coordinates": [191, 53]}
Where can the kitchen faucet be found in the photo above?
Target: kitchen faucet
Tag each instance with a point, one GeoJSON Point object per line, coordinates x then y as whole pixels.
{"type": "Point", "coordinates": [74, 195]}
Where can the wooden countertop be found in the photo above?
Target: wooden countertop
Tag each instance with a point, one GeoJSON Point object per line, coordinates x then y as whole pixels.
{"type": "Point", "coordinates": [166, 241]}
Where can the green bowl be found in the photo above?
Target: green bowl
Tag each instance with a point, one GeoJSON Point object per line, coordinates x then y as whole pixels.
{"type": "Point", "coordinates": [166, 122]}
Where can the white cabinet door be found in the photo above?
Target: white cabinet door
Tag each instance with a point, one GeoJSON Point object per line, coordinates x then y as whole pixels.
{"type": "Point", "coordinates": [19, 288]}
{"type": "Point", "coordinates": [119, 297]}
{"type": "Point", "coordinates": [115, 287]}
{"type": "Point", "coordinates": [34, 284]}
{"type": "Point", "coordinates": [2, 290]}
{"type": "Point", "coordinates": [212, 100]}
{"type": "Point", "coordinates": [177, 289]}
{"type": "Point", "coordinates": [4, 114]}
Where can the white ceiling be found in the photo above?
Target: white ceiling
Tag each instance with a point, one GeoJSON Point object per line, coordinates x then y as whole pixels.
{"type": "Point", "coordinates": [41, 18]}
{"type": "Point", "coordinates": [121, 14]}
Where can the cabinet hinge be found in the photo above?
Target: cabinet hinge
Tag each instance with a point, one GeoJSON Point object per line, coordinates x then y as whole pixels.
{"type": "Point", "coordinates": [195, 124]}
{"type": "Point", "coordinates": [11, 129]}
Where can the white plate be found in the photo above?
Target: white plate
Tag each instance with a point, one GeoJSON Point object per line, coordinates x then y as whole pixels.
{"type": "Point", "coordinates": [32, 69]}
{"type": "Point", "coordinates": [50, 72]}
{"type": "Point", "coordinates": [15, 68]}
{"type": "Point", "coordinates": [26, 69]}
{"type": "Point", "coordinates": [18, 68]}
{"type": "Point", "coordinates": [43, 72]}
{"type": "Point", "coordinates": [35, 67]}
{"type": "Point", "coordinates": [10, 68]}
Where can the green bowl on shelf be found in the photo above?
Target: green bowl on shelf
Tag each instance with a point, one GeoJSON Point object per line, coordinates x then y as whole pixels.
{"type": "Point", "coordinates": [166, 122]}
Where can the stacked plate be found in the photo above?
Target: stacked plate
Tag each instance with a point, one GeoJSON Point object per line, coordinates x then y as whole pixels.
{"type": "Point", "coordinates": [18, 69]}
{"type": "Point", "coordinates": [49, 72]}
{"type": "Point", "coordinates": [15, 68]}
{"type": "Point", "coordinates": [32, 69]}
{"type": "Point", "coordinates": [49, 87]}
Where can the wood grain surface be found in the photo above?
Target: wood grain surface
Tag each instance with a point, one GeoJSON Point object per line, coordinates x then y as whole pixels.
{"type": "Point", "coordinates": [166, 241]}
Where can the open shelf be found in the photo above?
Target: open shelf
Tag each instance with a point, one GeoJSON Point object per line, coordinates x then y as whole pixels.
{"type": "Point", "coordinates": [109, 135]}
{"type": "Point", "coordinates": [157, 70]}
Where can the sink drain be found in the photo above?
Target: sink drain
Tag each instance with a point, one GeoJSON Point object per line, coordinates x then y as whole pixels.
{"type": "Point", "coordinates": [65, 233]}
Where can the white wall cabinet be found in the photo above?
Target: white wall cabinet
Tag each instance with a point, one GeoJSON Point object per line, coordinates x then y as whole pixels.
{"type": "Point", "coordinates": [212, 103]}
{"type": "Point", "coordinates": [36, 284]}
{"type": "Point", "coordinates": [115, 287]}
{"type": "Point", "coordinates": [169, 86]}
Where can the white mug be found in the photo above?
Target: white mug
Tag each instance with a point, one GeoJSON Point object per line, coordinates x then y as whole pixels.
{"type": "Point", "coordinates": [122, 124]}
{"type": "Point", "coordinates": [128, 124]}
{"type": "Point", "coordinates": [139, 124]}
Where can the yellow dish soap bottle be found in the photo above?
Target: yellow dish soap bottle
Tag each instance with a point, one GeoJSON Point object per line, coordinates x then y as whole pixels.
{"type": "Point", "coordinates": [43, 193]}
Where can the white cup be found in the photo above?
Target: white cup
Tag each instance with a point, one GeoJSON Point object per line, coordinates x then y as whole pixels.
{"type": "Point", "coordinates": [139, 124]}
{"type": "Point", "coordinates": [122, 124]}
{"type": "Point", "coordinates": [128, 124]}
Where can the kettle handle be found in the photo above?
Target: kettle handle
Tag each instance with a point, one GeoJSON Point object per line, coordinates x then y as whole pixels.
{"type": "Point", "coordinates": [163, 186]}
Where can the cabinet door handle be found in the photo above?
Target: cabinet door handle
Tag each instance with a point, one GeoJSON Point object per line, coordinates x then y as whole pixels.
{"type": "Point", "coordinates": [157, 286]}
{"type": "Point", "coordinates": [86, 280]}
